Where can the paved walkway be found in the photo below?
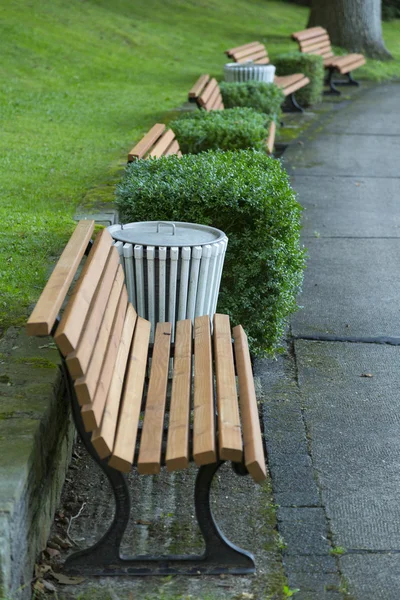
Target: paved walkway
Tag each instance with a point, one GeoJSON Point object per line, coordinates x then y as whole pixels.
{"type": "Point", "coordinates": [333, 416]}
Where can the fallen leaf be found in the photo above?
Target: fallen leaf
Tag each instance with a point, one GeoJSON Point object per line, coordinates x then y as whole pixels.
{"type": "Point", "coordinates": [52, 552]}
{"type": "Point", "coordinates": [65, 580]}
{"type": "Point", "coordinates": [366, 375]}
{"type": "Point", "coordinates": [41, 570]}
{"type": "Point", "coordinates": [141, 522]}
{"type": "Point", "coordinates": [62, 542]}
{"type": "Point", "coordinates": [38, 587]}
{"type": "Point", "coordinates": [50, 587]}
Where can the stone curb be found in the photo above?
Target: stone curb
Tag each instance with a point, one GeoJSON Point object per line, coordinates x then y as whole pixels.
{"type": "Point", "coordinates": [36, 436]}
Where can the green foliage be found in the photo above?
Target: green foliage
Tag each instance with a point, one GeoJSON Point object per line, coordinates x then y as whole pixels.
{"type": "Point", "coordinates": [390, 10]}
{"type": "Point", "coordinates": [231, 129]}
{"type": "Point", "coordinates": [264, 97]}
{"type": "Point", "coordinates": [310, 65]}
{"type": "Point", "coordinates": [246, 194]}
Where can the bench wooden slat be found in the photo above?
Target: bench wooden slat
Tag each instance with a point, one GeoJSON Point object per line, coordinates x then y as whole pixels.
{"type": "Point", "coordinates": [123, 453]}
{"type": "Point", "coordinates": [253, 448]}
{"type": "Point", "coordinates": [271, 137]}
{"type": "Point", "coordinates": [324, 46]}
{"type": "Point", "coordinates": [146, 142]}
{"type": "Point", "coordinates": [297, 85]}
{"type": "Point", "coordinates": [340, 61]}
{"type": "Point", "coordinates": [254, 56]}
{"type": "Point", "coordinates": [196, 90]}
{"type": "Point", "coordinates": [151, 443]}
{"type": "Point", "coordinates": [93, 413]}
{"type": "Point", "coordinates": [306, 34]}
{"type": "Point", "coordinates": [213, 99]}
{"type": "Point", "coordinates": [349, 67]}
{"type": "Point", "coordinates": [308, 44]}
{"type": "Point", "coordinates": [262, 61]}
{"type": "Point", "coordinates": [248, 52]}
{"type": "Point", "coordinates": [283, 81]}
{"type": "Point", "coordinates": [103, 436]}
{"type": "Point", "coordinates": [232, 51]}
{"type": "Point", "coordinates": [44, 314]}
{"type": "Point", "coordinates": [179, 414]}
{"type": "Point", "coordinates": [162, 144]}
{"type": "Point", "coordinates": [85, 387]}
{"type": "Point", "coordinates": [172, 149]}
{"type": "Point", "coordinates": [218, 104]}
{"type": "Point", "coordinates": [207, 93]}
{"type": "Point", "coordinates": [229, 432]}
{"type": "Point", "coordinates": [78, 360]}
{"type": "Point", "coordinates": [204, 446]}
{"type": "Point", "coordinates": [71, 325]}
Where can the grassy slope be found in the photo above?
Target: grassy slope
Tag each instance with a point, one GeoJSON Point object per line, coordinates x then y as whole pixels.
{"type": "Point", "coordinates": [82, 80]}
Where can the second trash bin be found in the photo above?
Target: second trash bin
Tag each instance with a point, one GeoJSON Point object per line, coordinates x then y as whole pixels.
{"type": "Point", "coordinates": [172, 270]}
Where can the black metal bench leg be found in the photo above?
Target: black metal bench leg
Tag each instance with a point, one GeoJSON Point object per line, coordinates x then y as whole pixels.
{"type": "Point", "coordinates": [332, 87]}
{"type": "Point", "coordinates": [350, 80]}
{"type": "Point", "coordinates": [219, 550]}
{"type": "Point", "coordinates": [295, 105]}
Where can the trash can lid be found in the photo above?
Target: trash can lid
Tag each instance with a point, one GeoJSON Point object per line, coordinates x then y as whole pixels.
{"type": "Point", "coordinates": [166, 233]}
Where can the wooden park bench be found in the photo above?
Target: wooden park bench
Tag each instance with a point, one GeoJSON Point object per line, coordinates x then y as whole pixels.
{"type": "Point", "coordinates": [158, 141]}
{"type": "Point", "coordinates": [315, 40]}
{"type": "Point", "coordinates": [126, 419]}
{"type": "Point", "coordinates": [207, 95]}
{"type": "Point", "coordinates": [256, 53]}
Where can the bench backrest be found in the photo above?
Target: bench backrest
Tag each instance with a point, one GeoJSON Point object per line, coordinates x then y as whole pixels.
{"type": "Point", "coordinates": [206, 93]}
{"type": "Point", "coordinates": [254, 52]}
{"type": "Point", "coordinates": [159, 141]}
{"type": "Point", "coordinates": [314, 40]}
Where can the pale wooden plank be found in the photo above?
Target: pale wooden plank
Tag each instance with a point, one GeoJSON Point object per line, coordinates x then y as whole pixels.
{"type": "Point", "coordinates": [263, 61]}
{"type": "Point", "coordinates": [284, 81]}
{"type": "Point", "coordinates": [306, 34]}
{"type": "Point", "coordinates": [78, 360]}
{"type": "Point", "coordinates": [254, 56]}
{"type": "Point", "coordinates": [146, 142]}
{"type": "Point", "coordinates": [172, 149]}
{"type": "Point", "coordinates": [44, 314]}
{"type": "Point", "coordinates": [213, 99]}
{"type": "Point", "coordinates": [229, 432]}
{"type": "Point", "coordinates": [204, 445]}
{"type": "Point", "coordinates": [179, 414]}
{"type": "Point", "coordinates": [298, 85]}
{"type": "Point", "coordinates": [248, 53]}
{"type": "Point", "coordinates": [103, 436]}
{"type": "Point", "coordinates": [313, 41]}
{"type": "Point", "coordinates": [351, 66]}
{"type": "Point", "coordinates": [92, 413]}
{"type": "Point", "coordinates": [71, 325]}
{"type": "Point", "coordinates": [153, 424]}
{"type": "Point", "coordinates": [162, 144]}
{"type": "Point", "coordinates": [232, 51]}
{"type": "Point", "coordinates": [253, 447]}
{"type": "Point", "coordinates": [196, 90]}
{"type": "Point", "coordinates": [208, 90]}
{"type": "Point", "coordinates": [123, 453]}
{"type": "Point", "coordinates": [271, 137]}
{"type": "Point", "coordinates": [85, 387]}
{"type": "Point", "coordinates": [320, 45]}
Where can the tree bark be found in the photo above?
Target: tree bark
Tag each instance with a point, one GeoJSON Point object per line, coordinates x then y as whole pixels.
{"type": "Point", "coordinates": [353, 24]}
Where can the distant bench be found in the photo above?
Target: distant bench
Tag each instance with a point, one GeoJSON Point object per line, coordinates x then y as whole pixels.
{"type": "Point", "coordinates": [256, 53]}
{"type": "Point", "coordinates": [158, 141]}
{"type": "Point", "coordinates": [315, 40]}
{"type": "Point", "coordinates": [126, 419]}
{"type": "Point", "coordinates": [207, 95]}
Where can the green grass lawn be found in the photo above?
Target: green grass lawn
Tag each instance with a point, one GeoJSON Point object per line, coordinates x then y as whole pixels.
{"type": "Point", "coordinates": [81, 81]}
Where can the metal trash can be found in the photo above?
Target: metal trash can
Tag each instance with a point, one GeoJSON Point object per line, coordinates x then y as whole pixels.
{"type": "Point", "coordinates": [239, 72]}
{"type": "Point", "coordinates": [172, 270]}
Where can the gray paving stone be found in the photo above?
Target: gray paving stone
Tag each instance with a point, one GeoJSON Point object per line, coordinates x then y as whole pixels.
{"type": "Point", "coordinates": [349, 206]}
{"type": "Point", "coordinates": [304, 530]}
{"type": "Point", "coordinates": [351, 288]}
{"type": "Point", "coordinates": [372, 576]}
{"type": "Point", "coordinates": [354, 425]}
{"type": "Point", "coordinates": [310, 564]}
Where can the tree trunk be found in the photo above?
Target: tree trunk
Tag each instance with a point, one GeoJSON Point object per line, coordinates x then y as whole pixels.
{"type": "Point", "coordinates": [353, 24]}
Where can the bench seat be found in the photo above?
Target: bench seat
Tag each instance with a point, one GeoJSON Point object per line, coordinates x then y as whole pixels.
{"type": "Point", "coordinates": [128, 413]}
{"type": "Point", "coordinates": [315, 40]}
{"type": "Point", "coordinates": [207, 95]}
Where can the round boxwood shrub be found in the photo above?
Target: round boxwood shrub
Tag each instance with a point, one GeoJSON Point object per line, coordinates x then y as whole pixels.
{"type": "Point", "coordinates": [264, 97]}
{"type": "Point", "coordinates": [246, 194]}
{"type": "Point", "coordinates": [310, 65]}
{"type": "Point", "coordinates": [231, 129]}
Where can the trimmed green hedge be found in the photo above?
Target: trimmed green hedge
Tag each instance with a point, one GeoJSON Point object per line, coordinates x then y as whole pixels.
{"type": "Point", "coordinates": [248, 195]}
{"type": "Point", "coordinates": [231, 129]}
{"type": "Point", "coordinates": [263, 97]}
{"type": "Point", "coordinates": [310, 65]}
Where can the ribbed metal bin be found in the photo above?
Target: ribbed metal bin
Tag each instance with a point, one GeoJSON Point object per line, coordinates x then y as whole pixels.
{"type": "Point", "coordinates": [239, 72]}
{"type": "Point", "coordinates": [172, 270]}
